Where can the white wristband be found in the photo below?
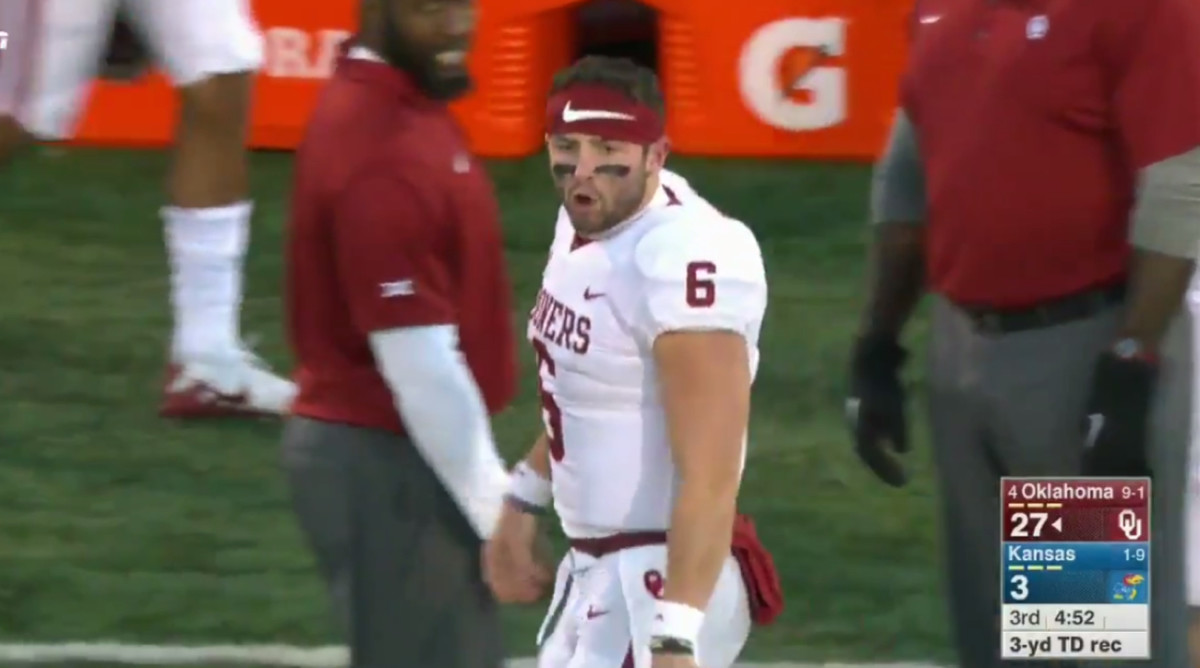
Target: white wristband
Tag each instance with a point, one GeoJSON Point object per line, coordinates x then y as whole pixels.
{"type": "Point", "coordinates": [528, 486]}
{"type": "Point", "coordinates": [676, 620]}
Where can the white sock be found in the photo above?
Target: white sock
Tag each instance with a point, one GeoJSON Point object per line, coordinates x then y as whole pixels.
{"type": "Point", "coordinates": [205, 248]}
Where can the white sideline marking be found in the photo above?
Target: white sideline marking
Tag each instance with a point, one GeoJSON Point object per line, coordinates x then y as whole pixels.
{"type": "Point", "coordinates": [278, 656]}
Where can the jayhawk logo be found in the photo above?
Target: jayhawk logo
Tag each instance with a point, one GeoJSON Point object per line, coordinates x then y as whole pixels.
{"type": "Point", "coordinates": [1127, 588]}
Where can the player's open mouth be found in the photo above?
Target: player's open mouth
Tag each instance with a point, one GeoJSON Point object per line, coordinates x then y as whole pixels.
{"type": "Point", "coordinates": [580, 199]}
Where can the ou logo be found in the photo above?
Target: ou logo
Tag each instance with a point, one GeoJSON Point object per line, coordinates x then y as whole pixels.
{"type": "Point", "coordinates": [782, 59]}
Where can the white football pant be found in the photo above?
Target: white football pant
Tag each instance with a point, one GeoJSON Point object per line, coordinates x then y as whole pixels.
{"type": "Point", "coordinates": [602, 609]}
{"type": "Point", "coordinates": [53, 50]}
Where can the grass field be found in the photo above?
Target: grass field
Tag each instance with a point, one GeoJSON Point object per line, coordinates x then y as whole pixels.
{"type": "Point", "coordinates": [116, 525]}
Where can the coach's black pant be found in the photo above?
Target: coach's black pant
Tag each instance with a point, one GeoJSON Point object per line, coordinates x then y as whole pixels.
{"type": "Point", "coordinates": [401, 560]}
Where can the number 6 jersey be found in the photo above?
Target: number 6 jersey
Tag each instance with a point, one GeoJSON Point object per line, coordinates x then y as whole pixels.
{"type": "Point", "coordinates": [678, 264]}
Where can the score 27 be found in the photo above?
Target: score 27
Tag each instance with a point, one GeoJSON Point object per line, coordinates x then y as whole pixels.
{"type": "Point", "coordinates": [1020, 524]}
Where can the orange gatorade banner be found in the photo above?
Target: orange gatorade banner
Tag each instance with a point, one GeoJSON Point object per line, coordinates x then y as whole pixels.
{"type": "Point", "coordinates": [777, 78]}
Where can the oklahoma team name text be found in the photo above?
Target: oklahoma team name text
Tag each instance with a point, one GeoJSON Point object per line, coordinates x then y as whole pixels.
{"type": "Point", "coordinates": [1042, 491]}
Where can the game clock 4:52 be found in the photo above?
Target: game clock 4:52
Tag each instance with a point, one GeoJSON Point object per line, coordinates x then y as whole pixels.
{"type": "Point", "coordinates": [1075, 617]}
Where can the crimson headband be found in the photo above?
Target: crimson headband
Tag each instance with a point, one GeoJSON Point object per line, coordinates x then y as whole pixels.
{"type": "Point", "coordinates": [593, 109]}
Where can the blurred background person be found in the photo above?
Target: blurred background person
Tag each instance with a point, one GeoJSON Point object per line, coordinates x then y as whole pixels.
{"type": "Point", "coordinates": [1058, 234]}
{"type": "Point", "coordinates": [400, 318]}
{"type": "Point", "coordinates": [210, 50]}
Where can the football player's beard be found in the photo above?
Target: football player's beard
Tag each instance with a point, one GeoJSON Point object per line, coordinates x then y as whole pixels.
{"type": "Point", "coordinates": [622, 209]}
{"type": "Point", "coordinates": [588, 221]}
{"type": "Point", "coordinates": [609, 217]}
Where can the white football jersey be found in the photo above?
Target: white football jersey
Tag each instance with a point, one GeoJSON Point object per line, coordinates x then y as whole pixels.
{"type": "Point", "coordinates": [679, 264]}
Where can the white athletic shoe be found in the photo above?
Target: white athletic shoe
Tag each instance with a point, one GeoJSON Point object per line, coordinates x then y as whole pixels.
{"type": "Point", "coordinates": [232, 385]}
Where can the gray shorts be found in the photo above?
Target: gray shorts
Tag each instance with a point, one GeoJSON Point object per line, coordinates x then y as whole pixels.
{"type": "Point", "coordinates": [401, 561]}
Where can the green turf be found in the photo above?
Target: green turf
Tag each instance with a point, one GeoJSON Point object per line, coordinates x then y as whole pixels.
{"type": "Point", "coordinates": [116, 525]}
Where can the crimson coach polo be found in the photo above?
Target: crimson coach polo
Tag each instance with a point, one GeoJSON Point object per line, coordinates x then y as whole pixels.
{"type": "Point", "coordinates": [392, 225]}
{"type": "Point", "coordinates": [1032, 120]}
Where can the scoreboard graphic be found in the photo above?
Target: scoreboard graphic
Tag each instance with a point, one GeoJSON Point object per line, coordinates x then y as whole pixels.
{"type": "Point", "coordinates": [1075, 568]}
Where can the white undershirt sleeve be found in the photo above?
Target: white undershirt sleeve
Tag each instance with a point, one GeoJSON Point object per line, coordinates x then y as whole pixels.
{"type": "Point", "coordinates": [445, 415]}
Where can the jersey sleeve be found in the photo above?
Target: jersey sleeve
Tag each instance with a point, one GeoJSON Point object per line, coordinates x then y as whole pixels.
{"type": "Point", "coordinates": [391, 260]}
{"type": "Point", "coordinates": [699, 275]}
{"type": "Point", "coordinates": [1158, 90]}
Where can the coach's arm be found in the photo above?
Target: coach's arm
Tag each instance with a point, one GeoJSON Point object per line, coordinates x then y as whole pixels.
{"type": "Point", "coordinates": [896, 255]}
{"type": "Point", "coordinates": [875, 406]}
{"type": "Point", "coordinates": [1157, 118]}
{"type": "Point", "coordinates": [445, 413]}
{"type": "Point", "coordinates": [386, 235]}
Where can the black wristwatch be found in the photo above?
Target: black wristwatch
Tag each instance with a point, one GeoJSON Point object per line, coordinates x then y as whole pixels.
{"type": "Point", "coordinates": [1131, 349]}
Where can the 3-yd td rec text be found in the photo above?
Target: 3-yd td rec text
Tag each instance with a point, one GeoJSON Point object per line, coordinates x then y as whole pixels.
{"type": "Point", "coordinates": [1075, 562]}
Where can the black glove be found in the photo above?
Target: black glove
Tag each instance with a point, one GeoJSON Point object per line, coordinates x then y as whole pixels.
{"type": "Point", "coordinates": [126, 58]}
{"type": "Point", "coordinates": [1116, 426]}
{"type": "Point", "coordinates": [875, 408]}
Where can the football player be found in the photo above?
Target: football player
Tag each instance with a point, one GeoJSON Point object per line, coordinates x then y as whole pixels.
{"type": "Point", "coordinates": [646, 336]}
{"type": "Point", "coordinates": [210, 48]}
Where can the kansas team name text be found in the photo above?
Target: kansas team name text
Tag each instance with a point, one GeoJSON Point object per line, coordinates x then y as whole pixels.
{"type": "Point", "coordinates": [559, 324]}
{"type": "Point", "coordinates": [1046, 554]}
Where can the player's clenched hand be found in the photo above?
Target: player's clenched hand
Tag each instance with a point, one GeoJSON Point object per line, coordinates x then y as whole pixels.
{"type": "Point", "coordinates": [515, 563]}
{"type": "Point", "coordinates": [875, 408]}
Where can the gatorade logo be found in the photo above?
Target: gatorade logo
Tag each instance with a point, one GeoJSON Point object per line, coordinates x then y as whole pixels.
{"type": "Point", "coordinates": [784, 79]}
